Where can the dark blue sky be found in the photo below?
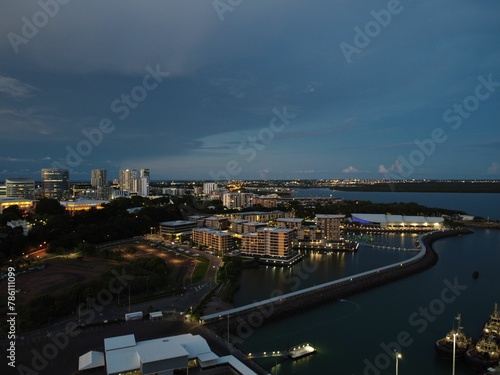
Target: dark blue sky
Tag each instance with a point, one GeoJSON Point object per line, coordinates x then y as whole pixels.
{"type": "Point", "coordinates": [246, 89]}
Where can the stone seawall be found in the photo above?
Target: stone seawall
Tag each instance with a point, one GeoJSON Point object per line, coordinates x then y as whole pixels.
{"type": "Point", "coordinates": [243, 321]}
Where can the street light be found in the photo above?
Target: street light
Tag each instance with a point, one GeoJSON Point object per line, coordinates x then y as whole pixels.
{"type": "Point", "coordinates": [454, 346]}
{"type": "Point", "coordinates": [398, 357]}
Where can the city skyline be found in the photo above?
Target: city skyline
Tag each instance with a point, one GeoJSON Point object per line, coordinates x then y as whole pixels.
{"type": "Point", "coordinates": [194, 91]}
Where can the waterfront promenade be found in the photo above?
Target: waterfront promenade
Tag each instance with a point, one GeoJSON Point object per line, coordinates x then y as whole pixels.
{"type": "Point", "coordinates": [236, 321]}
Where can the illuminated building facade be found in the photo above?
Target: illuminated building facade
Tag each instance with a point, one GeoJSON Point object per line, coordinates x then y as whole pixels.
{"type": "Point", "coordinates": [329, 225]}
{"type": "Point", "coordinates": [213, 239]}
{"type": "Point", "coordinates": [55, 183]}
{"type": "Point", "coordinates": [274, 242]}
{"type": "Point", "coordinates": [98, 178]}
{"type": "Point", "coordinates": [20, 188]}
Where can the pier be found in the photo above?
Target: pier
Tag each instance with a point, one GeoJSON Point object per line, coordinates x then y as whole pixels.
{"type": "Point", "coordinates": [387, 247]}
{"type": "Point", "coordinates": [294, 352]}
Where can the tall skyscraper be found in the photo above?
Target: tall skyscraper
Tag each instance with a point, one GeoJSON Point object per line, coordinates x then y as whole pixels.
{"type": "Point", "coordinates": [20, 188]}
{"type": "Point", "coordinates": [55, 183]}
{"type": "Point", "coordinates": [98, 178]}
{"type": "Point", "coordinates": [127, 177]}
{"type": "Point", "coordinates": [143, 183]}
{"type": "Point", "coordinates": [129, 181]}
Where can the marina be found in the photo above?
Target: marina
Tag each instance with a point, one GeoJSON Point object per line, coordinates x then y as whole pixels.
{"type": "Point", "coordinates": [336, 327]}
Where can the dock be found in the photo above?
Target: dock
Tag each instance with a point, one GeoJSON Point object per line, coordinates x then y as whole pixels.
{"type": "Point", "coordinates": [301, 351]}
{"type": "Point", "coordinates": [294, 352]}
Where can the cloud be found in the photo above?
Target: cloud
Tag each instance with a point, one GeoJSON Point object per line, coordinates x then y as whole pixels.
{"type": "Point", "coordinates": [382, 169]}
{"type": "Point", "coordinates": [16, 89]}
{"type": "Point", "coordinates": [350, 169]}
{"type": "Point", "coordinates": [494, 168]}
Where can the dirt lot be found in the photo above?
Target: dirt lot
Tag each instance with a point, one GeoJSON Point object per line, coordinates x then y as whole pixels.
{"type": "Point", "coordinates": [59, 274]}
{"type": "Point", "coordinates": [63, 272]}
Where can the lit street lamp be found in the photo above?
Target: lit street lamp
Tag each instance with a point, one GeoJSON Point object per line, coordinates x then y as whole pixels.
{"type": "Point", "coordinates": [454, 346]}
{"type": "Point", "coordinates": [398, 357]}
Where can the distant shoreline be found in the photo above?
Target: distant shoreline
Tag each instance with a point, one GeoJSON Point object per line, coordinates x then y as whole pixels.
{"type": "Point", "coordinates": [424, 187]}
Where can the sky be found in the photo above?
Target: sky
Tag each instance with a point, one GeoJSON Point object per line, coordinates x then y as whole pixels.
{"type": "Point", "coordinates": [251, 89]}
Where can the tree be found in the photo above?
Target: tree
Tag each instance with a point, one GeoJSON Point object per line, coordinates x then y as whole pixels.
{"type": "Point", "coordinates": [48, 206]}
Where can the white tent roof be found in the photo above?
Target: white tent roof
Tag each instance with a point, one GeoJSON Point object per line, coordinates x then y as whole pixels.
{"type": "Point", "coordinates": [119, 342]}
{"type": "Point", "coordinates": [398, 219]}
{"type": "Point", "coordinates": [90, 360]}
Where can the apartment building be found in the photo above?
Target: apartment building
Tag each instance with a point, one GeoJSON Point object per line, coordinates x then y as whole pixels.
{"type": "Point", "coordinates": [329, 225]}
{"type": "Point", "coordinates": [273, 242]}
{"type": "Point", "coordinates": [213, 239]}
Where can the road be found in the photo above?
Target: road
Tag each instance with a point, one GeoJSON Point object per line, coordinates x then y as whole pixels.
{"type": "Point", "coordinates": [174, 306]}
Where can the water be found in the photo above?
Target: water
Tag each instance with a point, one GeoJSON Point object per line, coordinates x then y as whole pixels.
{"type": "Point", "coordinates": [259, 283]}
{"type": "Point", "coordinates": [356, 335]}
{"type": "Point", "coordinates": [477, 204]}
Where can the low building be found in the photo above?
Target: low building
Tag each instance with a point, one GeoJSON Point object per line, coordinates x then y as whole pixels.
{"type": "Point", "coordinates": [83, 205]}
{"type": "Point", "coordinates": [19, 223]}
{"type": "Point", "coordinates": [124, 355]}
{"type": "Point", "coordinates": [176, 227]}
{"type": "Point", "coordinates": [253, 226]}
{"type": "Point", "coordinates": [290, 223]}
{"type": "Point", "coordinates": [25, 205]}
{"type": "Point", "coordinates": [236, 226]}
{"type": "Point", "coordinates": [398, 222]}
{"type": "Point", "coordinates": [260, 216]}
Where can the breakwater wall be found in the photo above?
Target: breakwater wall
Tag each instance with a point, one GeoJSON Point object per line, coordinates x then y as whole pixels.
{"type": "Point", "coordinates": [239, 320]}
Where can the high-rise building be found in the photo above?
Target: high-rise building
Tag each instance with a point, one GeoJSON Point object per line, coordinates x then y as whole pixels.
{"type": "Point", "coordinates": [127, 177]}
{"type": "Point", "coordinates": [129, 181]}
{"type": "Point", "coordinates": [208, 187]}
{"type": "Point", "coordinates": [330, 226]}
{"type": "Point", "coordinates": [141, 186]}
{"type": "Point", "coordinates": [20, 188]}
{"type": "Point", "coordinates": [236, 200]}
{"type": "Point", "coordinates": [98, 178]}
{"type": "Point", "coordinates": [55, 183]}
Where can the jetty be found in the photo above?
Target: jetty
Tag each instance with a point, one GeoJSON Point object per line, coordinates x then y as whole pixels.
{"type": "Point", "coordinates": [294, 352]}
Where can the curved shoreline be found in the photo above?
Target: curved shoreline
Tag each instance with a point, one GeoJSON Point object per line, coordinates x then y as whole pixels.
{"type": "Point", "coordinates": [254, 315]}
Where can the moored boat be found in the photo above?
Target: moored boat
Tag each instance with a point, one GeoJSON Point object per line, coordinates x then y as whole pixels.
{"type": "Point", "coordinates": [444, 346]}
{"type": "Point", "coordinates": [492, 326]}
{"type": "Point", "coordinates": [484, 354]}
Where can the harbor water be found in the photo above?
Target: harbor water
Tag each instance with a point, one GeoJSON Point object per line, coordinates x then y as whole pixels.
{"type": "Point", "coordinates": [359, 334]}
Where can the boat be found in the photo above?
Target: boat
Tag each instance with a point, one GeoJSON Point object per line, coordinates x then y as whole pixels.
{"type": "Point", "coordinates": [484, 354]}
{"type": "Point", "coordinates": [444, 346]}
{"type": "Point", "coordinates": [492, 326]}
{"type": "Point", "coordinates": [300, 351]}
